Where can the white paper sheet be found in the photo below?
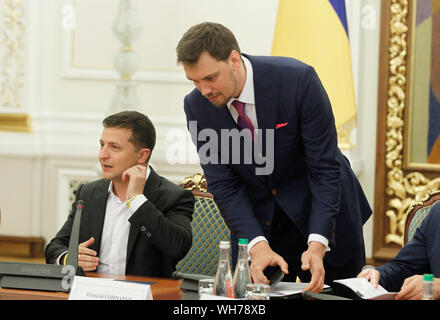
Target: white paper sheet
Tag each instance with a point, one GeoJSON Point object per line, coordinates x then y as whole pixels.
{"type": "Point", "coordinates": [365, 289]}
{"type": "Point", "coordinates": [283, 289]}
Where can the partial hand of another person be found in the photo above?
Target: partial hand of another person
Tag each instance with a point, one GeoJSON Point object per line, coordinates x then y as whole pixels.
{"type": "Point", "coordinates": [263, 256]}
{"type": "Point", "coordinates": [87, 258]}
{"type": "Point", "coordinates": [412, 289]}
{"type": "Point", "coordinates": [371, 275]}
{"type": "Point", "coordinates": [312, 259]}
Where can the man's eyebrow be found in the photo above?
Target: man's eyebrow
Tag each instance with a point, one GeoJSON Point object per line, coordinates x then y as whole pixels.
{"type": "Point", "coordinates": [212, 75]}
{"type": "Point", "coordinates": [205, 77]}
{"type": "Point", "coordinates": [109, 142]}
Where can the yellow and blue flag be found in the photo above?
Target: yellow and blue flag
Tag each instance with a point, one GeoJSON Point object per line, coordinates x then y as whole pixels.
{"type": "Point", "coordinates": [316, 32]}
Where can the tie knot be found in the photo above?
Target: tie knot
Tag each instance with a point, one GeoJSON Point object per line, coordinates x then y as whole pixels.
{"type": "Point", "coordinates": [239, 106]}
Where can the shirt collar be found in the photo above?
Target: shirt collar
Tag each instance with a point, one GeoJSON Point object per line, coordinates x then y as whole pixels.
{"type": "Point", "coordinates": [110, 187]}
{"type": "Point", "coordinates": [247, 94]}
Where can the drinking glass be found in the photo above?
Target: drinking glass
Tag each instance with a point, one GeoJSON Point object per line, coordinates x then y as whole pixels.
{"type": "Point", "coordinates": [206, 286]}
{"type": "Point", "coordinates": [257, 291]}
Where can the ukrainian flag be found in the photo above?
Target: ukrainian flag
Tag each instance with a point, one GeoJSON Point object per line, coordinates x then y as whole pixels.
{"type": "Point", "coordinates": [316, 32]}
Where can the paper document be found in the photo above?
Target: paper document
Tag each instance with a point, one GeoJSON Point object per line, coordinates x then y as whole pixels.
{"type": "Point", "coordinates": [364, 289]}
{"type": "Point", "coordinates": [283, 289]}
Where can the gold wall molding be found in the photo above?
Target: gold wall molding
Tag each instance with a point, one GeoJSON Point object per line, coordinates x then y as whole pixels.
{"type": "Point", "coordinates": [15, 122]}
{"type": "Point", "coordinates": [396, 182]}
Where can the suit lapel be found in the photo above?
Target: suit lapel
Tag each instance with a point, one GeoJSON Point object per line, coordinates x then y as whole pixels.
{"type": "Point", "coordinates": [266, 91]}
{"type": "Point", "coordinates": [266, 102]}
{"type": "Point", "coordinates": [97, 213]}
{"type": "Point", "coordinates": [151, 186]}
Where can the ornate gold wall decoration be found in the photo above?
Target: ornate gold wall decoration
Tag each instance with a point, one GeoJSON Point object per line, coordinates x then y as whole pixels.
{"type": "Point", "coordinates": [398, 49]}
{"type": "Point", "coordinates": [12, 54]}
{"type": "Point", "coordinates": [398, 186]}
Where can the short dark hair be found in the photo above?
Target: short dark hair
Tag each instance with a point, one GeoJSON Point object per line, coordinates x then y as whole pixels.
{"type": "Point", "coordinates": [212, 37]}
{"type": "Point", "coordinates": [143, 134]}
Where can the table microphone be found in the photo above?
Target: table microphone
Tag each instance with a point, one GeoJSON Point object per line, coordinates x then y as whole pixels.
{"type": "Point", "coordinates": [188, 276]}
{"type": "Point", "coordinates": [47, 277]}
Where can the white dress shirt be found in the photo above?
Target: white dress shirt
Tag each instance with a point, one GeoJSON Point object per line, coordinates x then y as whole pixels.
{"type": "Point", "coordinates": [113, 254]}
{"type": "Point", "coordinates": [247, 96]}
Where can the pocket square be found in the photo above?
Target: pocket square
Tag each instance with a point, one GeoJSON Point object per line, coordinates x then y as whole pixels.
{"type": "Point", "coordinates": [280, 125]}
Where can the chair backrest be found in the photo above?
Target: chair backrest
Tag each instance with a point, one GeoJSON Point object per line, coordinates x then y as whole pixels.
{"type": "Point", "coordinates": [208, 229]}
{"type": "Point", "coordinates": [417, 212]}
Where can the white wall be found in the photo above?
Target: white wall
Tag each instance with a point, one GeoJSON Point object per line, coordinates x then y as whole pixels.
{"type": "Point", "coordinates": [364, 23]}
{"type": "Point", "coordinates": [70, 83]}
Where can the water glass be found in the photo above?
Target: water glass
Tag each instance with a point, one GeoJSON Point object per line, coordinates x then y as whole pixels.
{"type": "Point", "coordinates": [206, 286]}
{"type": "Point", "coordinates": [257, 291]}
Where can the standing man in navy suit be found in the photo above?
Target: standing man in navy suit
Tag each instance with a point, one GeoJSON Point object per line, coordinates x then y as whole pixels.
{"type": "Point", "coordinates": [271, 159]}
{"type": "Point", "coordinates": [404, 273]}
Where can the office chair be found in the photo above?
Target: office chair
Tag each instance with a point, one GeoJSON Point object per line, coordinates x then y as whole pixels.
{"type": "Point", "coordinates": [417, 212]}
{"type": "Point", "coordinates": [208, 229]}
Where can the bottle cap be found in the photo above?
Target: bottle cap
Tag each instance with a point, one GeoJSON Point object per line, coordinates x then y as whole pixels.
{"type": "Point", "coordinates": [243, 241]}
{"type": "Point", "coordinates": [224, 245]}
{"type": "Point", "coordinates": [428, 277]}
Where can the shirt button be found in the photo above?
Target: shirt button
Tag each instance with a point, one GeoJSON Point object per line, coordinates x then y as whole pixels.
{"type": "Point", "coordinates": [143, 228]}
{"type": "Point", "coordinates": [274, 191]}
{"type": "Point", "coordinates": [149, 234]}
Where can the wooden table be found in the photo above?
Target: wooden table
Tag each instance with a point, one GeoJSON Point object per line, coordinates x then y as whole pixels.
{"type": "Point", "coordinates": [162, 289]}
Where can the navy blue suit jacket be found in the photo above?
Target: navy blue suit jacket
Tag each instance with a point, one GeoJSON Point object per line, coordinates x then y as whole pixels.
{"type": "Point", "coordinates": [420, 255]}
{"type": "Point", "coordinates": [311, 181]}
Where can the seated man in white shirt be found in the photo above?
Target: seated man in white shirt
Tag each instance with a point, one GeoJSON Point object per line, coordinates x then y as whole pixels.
{"type": "Point", "coordinates": [134, 221]}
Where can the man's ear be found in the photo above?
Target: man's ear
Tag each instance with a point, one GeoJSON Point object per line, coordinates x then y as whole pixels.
{"type": "Point", "coordinates": [143, 155]}
{"type": "Point", "coordinates": [235, 59]}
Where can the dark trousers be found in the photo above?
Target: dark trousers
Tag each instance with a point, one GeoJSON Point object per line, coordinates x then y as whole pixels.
{"type": "Point", "coordinates": [286, 240]}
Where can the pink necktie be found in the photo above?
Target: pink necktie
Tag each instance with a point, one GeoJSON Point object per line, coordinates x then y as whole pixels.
{"type": "Point", "coordinates": [243, 121]}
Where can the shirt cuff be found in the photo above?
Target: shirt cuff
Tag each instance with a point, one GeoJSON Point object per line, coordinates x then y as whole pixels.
{"type": "Point", "coordinates": [253, 242]}
{"type": "Point", "coordinates": [312, 237]}
{"type": "Point", "coordinates": [319, 238]}
{"type": "Point", "coordinates": [57, 261]}
{"type": "Point", "coordinates": [137, 202]}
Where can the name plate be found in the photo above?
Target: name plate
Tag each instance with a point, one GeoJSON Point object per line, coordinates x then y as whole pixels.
{"type": "Point", "coordinates": [85, 288]}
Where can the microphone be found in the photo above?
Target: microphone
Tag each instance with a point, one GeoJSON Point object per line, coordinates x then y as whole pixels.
{"type": "Point", "coordinates": [187, 276]}
{"type": "Point", "coordinates": [48, 277]}
{"type": "Point", "coordinates": [190, 281]}
{"type": "Point", "coordinates": [72, 258]}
